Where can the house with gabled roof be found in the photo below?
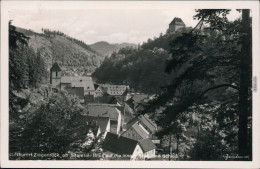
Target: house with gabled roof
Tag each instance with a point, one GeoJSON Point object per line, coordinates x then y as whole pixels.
{"type": "Point", "coordinates": [138, 100]}
{"type": "Point", "coordinates": [140, 128]}
{"type": "Point", "coordinates": [115, 101]}
{"type": "Point", "coordinates": [176, 24]}
{"type": "Point", "coordinates": [148, 123]}
{"type": "Point", "coordinates": [148, 148]}
{"type": "Point", "coordinates": [136, 132]}
{"type": "Point", "coordinates": [114, 114]}
{"type": "Point", "coordinates": [103, 123]}
{"type": "Point", "coordinates": [126, 147]}
{"type": "Point", "coordinates": [99, 91]}
{"type": "Point", "coordinates": [78, 81]}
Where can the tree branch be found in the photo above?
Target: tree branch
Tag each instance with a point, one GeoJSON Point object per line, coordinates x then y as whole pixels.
{"type": "Point", "coordinates": [200, 22]}
{"type": "Point", "coordinates": [219, 86]}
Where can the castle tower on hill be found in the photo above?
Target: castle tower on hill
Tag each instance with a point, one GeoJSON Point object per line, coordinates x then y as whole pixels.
{"type": "Point", "coordinates": [176, 24]}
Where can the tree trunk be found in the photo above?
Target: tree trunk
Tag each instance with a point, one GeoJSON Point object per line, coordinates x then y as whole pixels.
{"type": "Point", "coordinates": [170, 147]}
{"type": "Point", "coordinates": [245, 77]}
{"type": "Point", "coordinates": [177, 144]}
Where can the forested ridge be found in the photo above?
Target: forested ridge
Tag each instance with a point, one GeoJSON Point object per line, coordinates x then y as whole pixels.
{"type": "Point", "coordinates": [142, 68]}
{"type": "Point", "coordinates": [70, 53]}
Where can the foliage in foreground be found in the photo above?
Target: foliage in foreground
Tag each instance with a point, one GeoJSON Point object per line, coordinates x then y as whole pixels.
{"type": "Point", "coordinates": [50, 130]}
{"type": "Point", "coordinates": [209, 63]}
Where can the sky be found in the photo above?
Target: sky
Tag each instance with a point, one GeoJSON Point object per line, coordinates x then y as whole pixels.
{"type": "Point", "coordinates": [132, 25]}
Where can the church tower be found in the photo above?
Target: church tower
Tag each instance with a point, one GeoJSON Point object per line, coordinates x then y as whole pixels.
{"type": "Point", "coordinates": [55, 75]}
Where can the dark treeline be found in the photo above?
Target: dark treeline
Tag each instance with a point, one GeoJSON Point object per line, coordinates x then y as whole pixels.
{"type": "Point", "coordinates": [27, 67]}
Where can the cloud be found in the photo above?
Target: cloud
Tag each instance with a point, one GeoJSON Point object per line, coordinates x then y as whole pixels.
{"type": "Point", "coordinates": [111, 25]}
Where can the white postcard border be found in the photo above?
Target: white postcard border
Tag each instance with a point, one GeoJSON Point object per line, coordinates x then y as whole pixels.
{"type": "Point", "coordinates": [9, 5]}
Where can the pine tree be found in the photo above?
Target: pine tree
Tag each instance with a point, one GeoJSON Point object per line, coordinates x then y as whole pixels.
{"type": "Point", "coordinates": [205, 61]}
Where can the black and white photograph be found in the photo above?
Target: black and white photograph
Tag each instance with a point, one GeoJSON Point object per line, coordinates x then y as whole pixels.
{"type": "Point", "coordinates": [115, 81]}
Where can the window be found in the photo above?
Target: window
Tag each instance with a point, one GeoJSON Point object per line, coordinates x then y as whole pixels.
{"type": "Point", "coordinates": [56, 74]}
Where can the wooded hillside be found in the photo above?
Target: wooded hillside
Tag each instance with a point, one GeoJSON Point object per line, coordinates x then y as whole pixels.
{"type": "Point", "coordinates": [69, 52]}
{"type": "Point", "coordinates": [142, 68]}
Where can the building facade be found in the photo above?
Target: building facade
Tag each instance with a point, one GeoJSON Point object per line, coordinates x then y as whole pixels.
{"type": "Point", "coordinates": [79, 86]}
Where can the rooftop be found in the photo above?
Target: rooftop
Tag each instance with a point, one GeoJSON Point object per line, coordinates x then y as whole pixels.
{"type": "Point", "coordinates": [55, 67]}
{"type": "Point", "coordinates": [148, 122]}
{"type": "Point", "coordinates": [103, 99]}
{"type": "Point", "coordinates": [177, 21]}
{"type": "Point", "coordinates": [145, 120]}
{"type": "Point", "coordinates": [103, 111]}
{"type": "Point", "coordinates": [131, 123]}
{"type": "Point", "coordinates": [78, 91]}
{"type": "Point", "coordinates": [146, 145]}
{"type": "Point", "coordinates": [141, 131]}
{"type": "Point", "coordinates": [96, 86]}
{"type": "Point", "coordinates": [82, 120]}
{"type": "Point", "coordinates": [130, 102]}
{"type": "Point", "coordinates": [100, 121]}
{"type": "Point", "coordinates": [89, 98]}
{"type": "Point", "coordinates": [119, 144]}
{"type": "Point", "coordinates": [79, 81]}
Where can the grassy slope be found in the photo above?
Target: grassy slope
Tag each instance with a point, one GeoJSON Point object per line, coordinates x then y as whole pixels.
{"type": "Point", "coordinates": [68, 53]}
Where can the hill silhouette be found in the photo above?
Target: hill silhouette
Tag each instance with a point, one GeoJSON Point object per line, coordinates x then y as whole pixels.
{"type": "Point", "coordinates": [106, 49]}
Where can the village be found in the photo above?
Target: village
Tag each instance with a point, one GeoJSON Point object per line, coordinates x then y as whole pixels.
{"type": "Point", "coordinates": [113, 112]}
